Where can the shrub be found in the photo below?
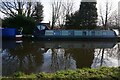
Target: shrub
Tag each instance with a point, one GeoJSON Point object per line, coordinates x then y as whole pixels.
{"type": "Point", "coordinates": [27, 23]}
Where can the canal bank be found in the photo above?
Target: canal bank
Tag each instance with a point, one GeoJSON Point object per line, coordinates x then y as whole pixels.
{"type": "Point", "coordinates": [79, 74]}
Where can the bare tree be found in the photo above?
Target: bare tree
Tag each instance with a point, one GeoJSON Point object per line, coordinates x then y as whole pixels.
{"type": "Point", "coordinates": [67, 9]}
{"type": "Point", "coordinates": [20, 7]}
{"type": "Point", "coordinates": [113, 20]}
{"type": "Point", "coordinates": [38, 12]}
{"type": "Point", "coordinates": [12, 8]}
{"type": "Point", "coordinates": [56, 7]}
{"type": "Point", "coordinates": [59, 11]}
{"type": "Point", "coordinates": [104, 14]}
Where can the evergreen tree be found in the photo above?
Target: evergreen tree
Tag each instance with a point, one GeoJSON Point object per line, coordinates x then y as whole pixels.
{"type": "Point", "coordinates": [72, 21]}
{"type": "Point", "coordinates": [85, 17]}
{"type": "Point", "coordinates": [38, 14]}
{"type": "Point", "coordinates": [27, 23]}
{"type": "Point", "coordinates": [88, 15]}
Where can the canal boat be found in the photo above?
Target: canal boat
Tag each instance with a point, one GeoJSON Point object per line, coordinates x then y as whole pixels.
{"type": "Point", "coordinates": [10, 33]}
{"type": "Point", "coordinates": [43, 33]}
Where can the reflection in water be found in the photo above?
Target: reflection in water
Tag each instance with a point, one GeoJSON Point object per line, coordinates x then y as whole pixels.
{"type": "Point", "coordinates": [57, 59]}
{"type": "Point", "coordinates": [107, 57]}
{"type": "Point", "coordinates": [37, 56]}
{"type": "Point", "coordinates": [83, 57]}
{"type": "Point", "coordinates": [25, 57]}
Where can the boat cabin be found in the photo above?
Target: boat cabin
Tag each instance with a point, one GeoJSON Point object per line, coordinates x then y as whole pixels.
{"type": "Point", "coordinates": [42, 31]}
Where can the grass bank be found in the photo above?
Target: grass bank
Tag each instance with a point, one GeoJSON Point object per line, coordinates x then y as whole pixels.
{"type": "Point", "coordinates": [78, 74]}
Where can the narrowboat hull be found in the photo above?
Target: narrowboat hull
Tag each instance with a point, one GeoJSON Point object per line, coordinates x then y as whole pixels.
{"type": "Point", "coordinates": [52, 38]}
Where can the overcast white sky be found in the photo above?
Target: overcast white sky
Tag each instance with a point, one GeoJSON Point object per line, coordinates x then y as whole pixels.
{"type": "Point", "coordinates": [47, 6]}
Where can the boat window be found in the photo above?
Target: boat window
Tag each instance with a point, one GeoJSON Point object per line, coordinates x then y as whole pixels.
{"type": "Point", "coordinates": [71, 32]}
{"type": "Point", "coordinates": [49, 32]}
{"type": "Point", "coordinates": [84, 33]}
{"type": "Point", "coordinates": [93, 33]}
{"type": "Point", "coordinates": [57, 32]}
{"type": "Point", "coordinates": [65, 33]}
{"type": "Point", "coordinates": [99, 33]}
{"type": "Point", "coordinates": [40, 27]}
{"type": "Point", "coordinates": [77, 33]}
{"type": "Point", "coordinates": [111, 33]}
{"type": "Point", "coordinates": [104, 33]}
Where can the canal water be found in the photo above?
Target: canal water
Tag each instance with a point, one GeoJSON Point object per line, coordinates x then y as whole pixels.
{"type": "Point", "coordinates": [51, 56]}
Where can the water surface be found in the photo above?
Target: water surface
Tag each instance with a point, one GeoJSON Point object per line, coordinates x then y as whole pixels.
{"type": "Point", "coordinates": [51, 56]}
